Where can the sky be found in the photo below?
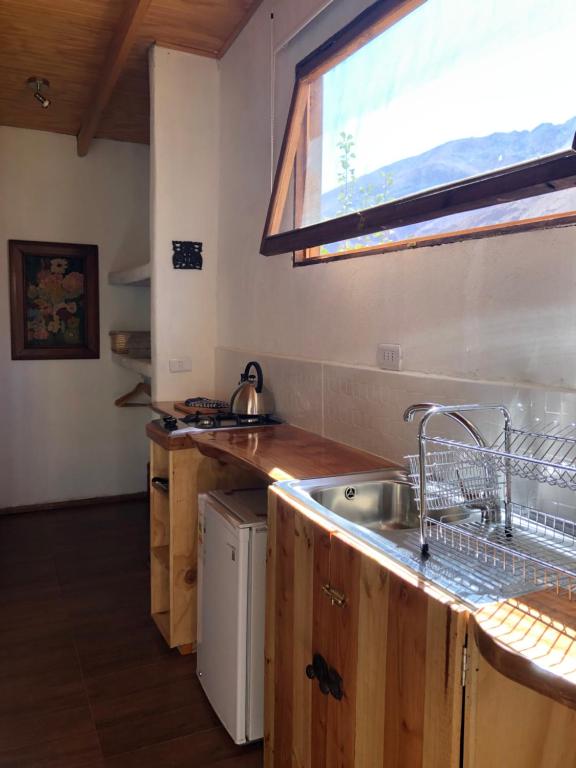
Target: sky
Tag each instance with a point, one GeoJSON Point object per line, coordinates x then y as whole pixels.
{"type": "Point", "coordinates": [451, 69]}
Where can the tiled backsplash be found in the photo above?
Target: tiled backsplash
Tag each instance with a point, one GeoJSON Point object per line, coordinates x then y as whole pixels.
{"type": "Point", "coordinates": [364, 407]}
{"type": "Point", "coordinates": [295, 384]}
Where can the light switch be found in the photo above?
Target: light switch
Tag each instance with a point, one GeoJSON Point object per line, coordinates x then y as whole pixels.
{"type": "Point", "coordinates": [180, 364]}
{"type": "Point", "coordinates": [389, 357]}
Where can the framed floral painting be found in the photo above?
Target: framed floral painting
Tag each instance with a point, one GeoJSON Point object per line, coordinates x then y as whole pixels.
{"type": "Point", "coordinates": [53, 300]}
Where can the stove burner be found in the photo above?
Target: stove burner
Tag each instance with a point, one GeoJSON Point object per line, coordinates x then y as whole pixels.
{"type": "Point", "coordinates": [205, 421]}
{"type": "Point", "coordinates": [170, 423]}
{"type": "Point", "coordinates": [226, 420]}
{"type": "Point", "coordinates": [251, 419]}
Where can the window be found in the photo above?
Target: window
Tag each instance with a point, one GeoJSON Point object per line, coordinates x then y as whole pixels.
{"type": "Point", "coordinates": [425, 121]}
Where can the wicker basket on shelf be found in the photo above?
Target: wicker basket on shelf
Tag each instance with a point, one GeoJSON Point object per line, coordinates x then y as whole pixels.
{"type": "Point", "coordinates": [131, 343]}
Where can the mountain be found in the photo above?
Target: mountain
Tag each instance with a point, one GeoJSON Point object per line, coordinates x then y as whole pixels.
{"type": "Point", "coordinates": [462, 159]}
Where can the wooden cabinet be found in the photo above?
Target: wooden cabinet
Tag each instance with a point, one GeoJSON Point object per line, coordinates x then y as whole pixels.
{"type": "Point", "coordinates": [174, 534]}
{"type": "Point", "coordinates": [397, 650]}
{"type": "Point", "coordinates": [507, 724]}
{"type": "Point", "coordinates": [399, 653]}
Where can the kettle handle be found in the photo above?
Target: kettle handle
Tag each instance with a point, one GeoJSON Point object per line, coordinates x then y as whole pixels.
{"type": "Point", "coordinates": [259, 374]}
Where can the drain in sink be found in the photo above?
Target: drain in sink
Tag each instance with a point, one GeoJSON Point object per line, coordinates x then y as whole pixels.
{"type": "Point", "coordinates": [350, 493]}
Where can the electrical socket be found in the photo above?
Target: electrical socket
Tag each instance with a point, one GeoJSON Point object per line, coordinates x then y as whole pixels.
{"type": "Point", "coordinates": [180, 364]}
{"type": "Point", "coordinates": [389, 357]}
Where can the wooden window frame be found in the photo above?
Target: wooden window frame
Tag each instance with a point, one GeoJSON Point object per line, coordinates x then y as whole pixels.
{"type": "Point", "coordinates": [536, 177]}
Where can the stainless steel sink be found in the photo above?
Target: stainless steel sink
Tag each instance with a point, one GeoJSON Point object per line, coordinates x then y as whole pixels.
{"type": "Point", "coordinates": [383, 502]}
{"type": "Point", "coordinates": [379, 509]}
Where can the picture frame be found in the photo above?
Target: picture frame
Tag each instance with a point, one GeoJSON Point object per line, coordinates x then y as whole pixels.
{"type": "Point", "coordinates": [54, 300]}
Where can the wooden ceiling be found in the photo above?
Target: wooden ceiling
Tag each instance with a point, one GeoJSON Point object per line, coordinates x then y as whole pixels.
{"type": "Point", "coordinates": [94, 53]}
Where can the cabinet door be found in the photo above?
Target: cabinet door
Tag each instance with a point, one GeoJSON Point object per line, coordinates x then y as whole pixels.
{"type": "Point", "coordinates": [397, 650]}
{"type": "Point", "coordinates": [353, 640]}
{"type": "Point", "coordinates": [509, 725]}
{"type": "Point", "coordinates": [297, 558]}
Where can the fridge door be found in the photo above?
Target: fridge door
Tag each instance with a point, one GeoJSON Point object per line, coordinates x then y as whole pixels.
{"type": "Point", "coordinates": [222, 648]}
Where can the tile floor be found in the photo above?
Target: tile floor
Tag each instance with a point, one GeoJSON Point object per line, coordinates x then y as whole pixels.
{"type": "Point", "coordinates": [86, 681]}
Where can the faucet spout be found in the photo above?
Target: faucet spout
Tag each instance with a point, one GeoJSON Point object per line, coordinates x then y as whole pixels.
{"type": "Point", "coordinates": [412, 410]}
{"type": "Point", "coordinates": [486, 499]}
{"type": "Point", "coordinates": [452, 413]}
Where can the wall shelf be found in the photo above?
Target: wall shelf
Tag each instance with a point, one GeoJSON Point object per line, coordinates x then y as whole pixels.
{"type": "Point", "coordinates": [134, 276]}
{"type": "Point", "coordinates": [142, 366]}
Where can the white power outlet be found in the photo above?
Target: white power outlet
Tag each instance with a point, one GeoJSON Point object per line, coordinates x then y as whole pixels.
{"type": "Point", "coordinates": [180, 364]}
{"type": "Point", "coordinates": [389, 357]}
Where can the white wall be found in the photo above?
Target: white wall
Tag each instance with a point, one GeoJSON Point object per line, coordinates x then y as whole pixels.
{"type": "Point", "coordinates": [184, 198]}
{"type": "Point", "coordinates": [481, 321]}
{"type": "Point", "coordinates": [501, 309]}
{"type": "Point", "coordinates": [62, 437]}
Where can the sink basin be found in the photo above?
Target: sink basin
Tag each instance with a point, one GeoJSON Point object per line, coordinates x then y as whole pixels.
{"type": "Point", "coordinates": [379, 509]}
{"type": "Point", "coordinates": [380, 503]}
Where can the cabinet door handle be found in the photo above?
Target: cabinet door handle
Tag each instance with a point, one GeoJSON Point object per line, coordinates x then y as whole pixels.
{"type": "Point", "coordinates": [335, 684]}
{"type": "Point", "coordinates": [318, 670]}
{"type": "Point", "coordinates": [329, 681]}
{"type": "Point", "coordinates": [336, 598]}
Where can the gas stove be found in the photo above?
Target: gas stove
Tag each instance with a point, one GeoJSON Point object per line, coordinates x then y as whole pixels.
{"type": "Point", "coordinates": [211, 422]}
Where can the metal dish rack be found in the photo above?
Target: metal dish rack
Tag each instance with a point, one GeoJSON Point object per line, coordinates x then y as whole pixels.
{"type": "Point", "coordinates": [468, 490]}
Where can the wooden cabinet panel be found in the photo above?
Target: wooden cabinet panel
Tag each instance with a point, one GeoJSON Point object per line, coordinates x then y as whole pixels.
{"type": "Point", "coordinates": [337, 640]}
{"type": "Point", "coordinates": [373, 596]}
{"type": "Point", "coordinates": [446, 633]}
{"type": "Point", "coordinates": [405, 674]}
{"type": "Point", "coordinates": [510, 725]}
{"type": "Point", "coordinates": [318, 725]}
{"type": "Point", "coordinates": [295, 557]}
{"type": "Point", "coordinates": [284, 605]}
{"type": "Point", "coordinates": [174, 535]}
{"type": "Point", "coordinates": [305, 543]}
{"type": "Point", "coordinates": [397, 650]}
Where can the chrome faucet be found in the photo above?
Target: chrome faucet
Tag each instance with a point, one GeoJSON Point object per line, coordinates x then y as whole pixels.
{"type": "Point", "coordinates": [433, 408]}
{"type": "Point", "coordinates": [489, 507]}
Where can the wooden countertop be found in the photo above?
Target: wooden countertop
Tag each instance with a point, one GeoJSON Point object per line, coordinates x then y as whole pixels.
{"type": "Point", "coordinates": [275, 453]}
{"type": "Point", "coordinates": [531, 639]}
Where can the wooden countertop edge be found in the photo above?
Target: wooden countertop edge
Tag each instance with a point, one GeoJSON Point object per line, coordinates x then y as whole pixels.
{"type": "Point", "coordinates": [360, 461]}
{"type": "Point", "coordinates": [520, 669]}
{"type": "Point", "coordinates": [167, 442]}
{"type": "Point", "coordinates": [215, 452]}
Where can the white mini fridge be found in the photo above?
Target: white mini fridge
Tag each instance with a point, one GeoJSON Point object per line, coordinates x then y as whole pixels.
{"type": "Point", "coordinates": [231, 608]}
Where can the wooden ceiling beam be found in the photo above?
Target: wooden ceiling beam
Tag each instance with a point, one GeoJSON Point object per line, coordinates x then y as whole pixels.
{"type": "Point", "coordinates": [122, 42]}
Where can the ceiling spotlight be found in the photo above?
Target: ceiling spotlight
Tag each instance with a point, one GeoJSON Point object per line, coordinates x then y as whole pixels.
{"type": "Point", "coordinates": [37, 83]}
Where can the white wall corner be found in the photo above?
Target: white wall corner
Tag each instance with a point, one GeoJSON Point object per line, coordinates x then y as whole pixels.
{"type": "Point", "coordinates": [185, 125]}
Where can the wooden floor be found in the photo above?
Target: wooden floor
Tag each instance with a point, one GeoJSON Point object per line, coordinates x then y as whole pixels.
{"type": "Point", "coordinates": [85, 679]}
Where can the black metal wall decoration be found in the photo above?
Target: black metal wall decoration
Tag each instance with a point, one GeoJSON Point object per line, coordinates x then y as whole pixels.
{"type": "Point", "coordinates": [186, 254]}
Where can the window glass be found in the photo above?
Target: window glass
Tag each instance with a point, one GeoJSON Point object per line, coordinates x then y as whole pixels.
{"type": "Point", "coordinates": [455, 89]}
{"type": "Point", "coordinates": [556, 204]}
